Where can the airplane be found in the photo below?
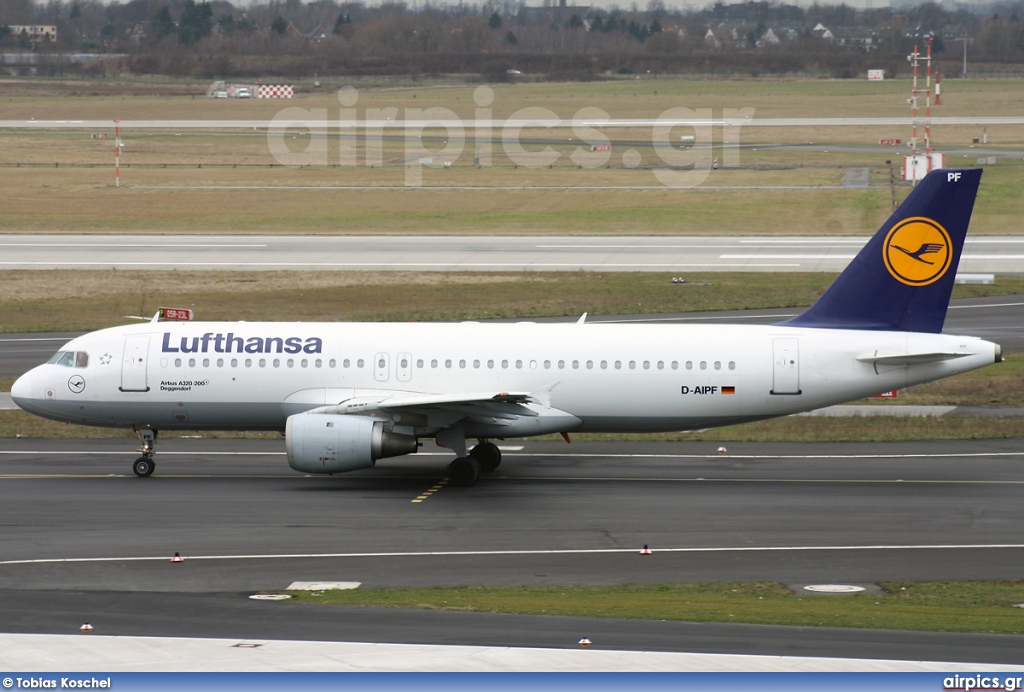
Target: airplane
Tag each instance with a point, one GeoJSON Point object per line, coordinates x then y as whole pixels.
{"type": "Point", "coordinates": [348, 394]}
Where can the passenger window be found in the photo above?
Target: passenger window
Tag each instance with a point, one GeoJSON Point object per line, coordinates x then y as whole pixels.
{"type": "Point", "coordinates": [419, 363]}
{"type": "Point", "coordinates": [359, 363]}
{"type": "Point", "coordinates": [604, 365]}
{"type": "Point", "coordinates": [462, 363]}
{"type": "Point", "coordinates": [689, 365]}
{"type": "Point", "coordinates": [191, 362]}
{"type": "Point", "coordinates": [533, 365]}
{"type": "Point", "coordinates": [661, 365]}
{"type": "Point", "coordinates": [304, 363]}
{"type": "Point", "coordinates": [519, 365]}
{"type": "Point", "coordinates": [647, 365]}
{"type": "Point", "coordinates": [476, 364]}
{"type": "Point", "coordinates": [81, 359]}
{"type": "Point", "coordinates": [575, 365]}
{"type": "Point", "coordinates": [590, 365]}
{"type": "Point", "coordinates": [318, 363]}
{"type": "Point", "coordinates": [703, 365]}
{"type": "Point", "coordinates": [248, 362]}
{"type": "Point", "coordinates": [234, 362]}
{"type": "Point", "coordinates": [675, 365]}
{"type": "Point", "coordinates": [504, 364]}
{"type": "Point", "coordinates": [177, 362]}
{"type": "Point", "coordinates": [561, 365]}
{"type": "Point", "coordinates": [220, 362]}
{"type": "Point", "coordinates": [331, 363]}
{"type": "Point", "coordinates": [718, 365]}
{"type": "Point", "coordinates": [618, 365]}
{"type": "Point", "coordinates": [206, 362]}
{"type": "Point", "coordinates": [433, 363]}
{"type": "Point", "coordinates": [448, 363]}
{"type": "Point", "coordinates": [632, 365]}
{"type": "Point", "coordinates": [490, 364]}
{"type": "Point", "coordinates": [732, 365]}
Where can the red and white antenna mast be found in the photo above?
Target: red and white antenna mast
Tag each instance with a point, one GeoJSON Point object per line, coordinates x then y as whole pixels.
{"type": "Point", "coordinates": [117, 153]}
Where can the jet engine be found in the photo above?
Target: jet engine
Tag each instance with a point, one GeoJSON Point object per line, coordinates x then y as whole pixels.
{"type": "Point", "coordinates": [331, 443]}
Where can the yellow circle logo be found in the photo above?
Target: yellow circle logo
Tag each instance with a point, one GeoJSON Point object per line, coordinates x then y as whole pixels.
{"type": "Point", "coordinates": [917, 251]}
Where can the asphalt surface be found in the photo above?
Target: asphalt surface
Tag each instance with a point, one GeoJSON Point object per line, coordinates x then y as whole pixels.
{"type": "Point", "coordinates": [982, 254]}
{"type": "Point", "coordinates": [83, 539]}
{"type": "Point", "coordinates": [98, 541]}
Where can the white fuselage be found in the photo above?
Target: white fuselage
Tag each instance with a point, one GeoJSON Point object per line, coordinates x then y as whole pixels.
{"type": "Point", "coordinates": [596, 377]}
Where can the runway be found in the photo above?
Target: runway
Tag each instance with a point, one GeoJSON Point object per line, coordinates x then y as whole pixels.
{"type": "Point", "coordinates": [92, 542]}
{"type": "Point", "coordinates": [982, 254]}
{"type": "Point", "coordinates": [86, 540]}
{"type": "Point", "coordinates": [454, 123]}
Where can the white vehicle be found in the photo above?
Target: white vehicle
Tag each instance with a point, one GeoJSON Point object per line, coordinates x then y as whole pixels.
{"type": "Point", "coordinates": [220, 94]}
{"type": "Point", "coordinates": [243, 93]}
{"type": "Point", "coordinates": [347, 394]}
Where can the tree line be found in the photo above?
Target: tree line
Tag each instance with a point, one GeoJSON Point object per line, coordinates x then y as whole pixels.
{"type": "Point", "coordinates": [500, 38]}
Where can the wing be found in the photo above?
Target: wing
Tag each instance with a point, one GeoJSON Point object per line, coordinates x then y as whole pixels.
{"type": "Point", "coordinates": [480, 414]}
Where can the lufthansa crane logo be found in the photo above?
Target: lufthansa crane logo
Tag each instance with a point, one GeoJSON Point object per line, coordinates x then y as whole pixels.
{"type": "Point", "coordinates": [917, 251]}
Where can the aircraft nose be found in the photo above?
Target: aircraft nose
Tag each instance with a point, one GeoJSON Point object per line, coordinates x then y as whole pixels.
{"type": "Point", "coordinates": [21, 390]}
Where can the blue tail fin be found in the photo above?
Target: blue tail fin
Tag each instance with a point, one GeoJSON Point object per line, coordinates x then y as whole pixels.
{"type": "Point", "coordinates": [902, 279]}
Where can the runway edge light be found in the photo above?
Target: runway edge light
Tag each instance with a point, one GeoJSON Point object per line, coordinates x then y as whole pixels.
{"type": "Point", "coordinates": [86, 627]}
{"type": "Point", "coordinates": [584, 642]}
{"type": "Point", "coordinates": [177, 557]}
{"type": "Point", "coordinates": [646, 550]}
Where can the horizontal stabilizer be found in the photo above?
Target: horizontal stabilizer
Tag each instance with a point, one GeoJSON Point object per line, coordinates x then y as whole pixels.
{"type": "Point", "coordinates": [909, 358]}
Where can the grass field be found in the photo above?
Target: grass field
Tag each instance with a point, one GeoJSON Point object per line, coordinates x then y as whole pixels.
{"type": "Point", "coordinates": [929, 606]}
{"type": "Point", "coordinates": [184, 175]}
{"type": "Point", "coordinates": [63, 300]}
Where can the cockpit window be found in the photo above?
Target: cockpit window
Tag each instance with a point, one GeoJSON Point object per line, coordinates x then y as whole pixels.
{"type": "Point", "coordinates": [70, 359]}
{"type": "Point", "coordinates": [65, 358]}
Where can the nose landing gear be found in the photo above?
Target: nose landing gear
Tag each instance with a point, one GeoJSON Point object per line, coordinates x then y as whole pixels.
{"type": "Point", "coordinates": [144, 465]}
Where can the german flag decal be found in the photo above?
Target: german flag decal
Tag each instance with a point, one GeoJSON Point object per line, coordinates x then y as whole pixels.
{"type": "Point", "coordinates": [728, 390]}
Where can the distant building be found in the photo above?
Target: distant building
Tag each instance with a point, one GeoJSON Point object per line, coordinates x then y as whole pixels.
{"type": "Point", "coordinates": [37, 33]}
{"type": "Point", "coordinates": [553, 14]}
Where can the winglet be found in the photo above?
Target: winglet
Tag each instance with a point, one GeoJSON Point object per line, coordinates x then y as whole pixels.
{"type": "Point", "coordinates": [582, 319]}
{"type": "Point", "coordinates": [902, 279]}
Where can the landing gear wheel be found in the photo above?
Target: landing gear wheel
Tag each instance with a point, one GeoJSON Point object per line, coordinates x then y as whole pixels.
{"type": "Point", "coordinates": [463, 472]}
{"type": "Point", "coordinates": [488, 454]}
{"type": "Point", "coordinates": [143, 467]}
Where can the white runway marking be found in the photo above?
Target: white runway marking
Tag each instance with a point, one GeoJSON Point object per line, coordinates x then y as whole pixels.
{"type": "Point", "coordinates": [850, 257]}
{"type": "Point", "coordinates": [485, 553]}
{"type": "Point", "coordinates": [970, 455]}
{"type": "Point", "coordinates": [459, 264]}
{"type": "Point", "coordinates": [122, 245]}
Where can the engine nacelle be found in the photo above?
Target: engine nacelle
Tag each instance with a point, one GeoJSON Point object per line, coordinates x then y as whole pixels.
{"type": "Point", "coordinates": [332, 443]}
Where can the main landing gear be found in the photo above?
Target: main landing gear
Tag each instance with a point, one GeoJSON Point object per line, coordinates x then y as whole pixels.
{"type": "Point", "coordinates": [144, 465]}
{"type": "Point", "coordinates": [465, 471]}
